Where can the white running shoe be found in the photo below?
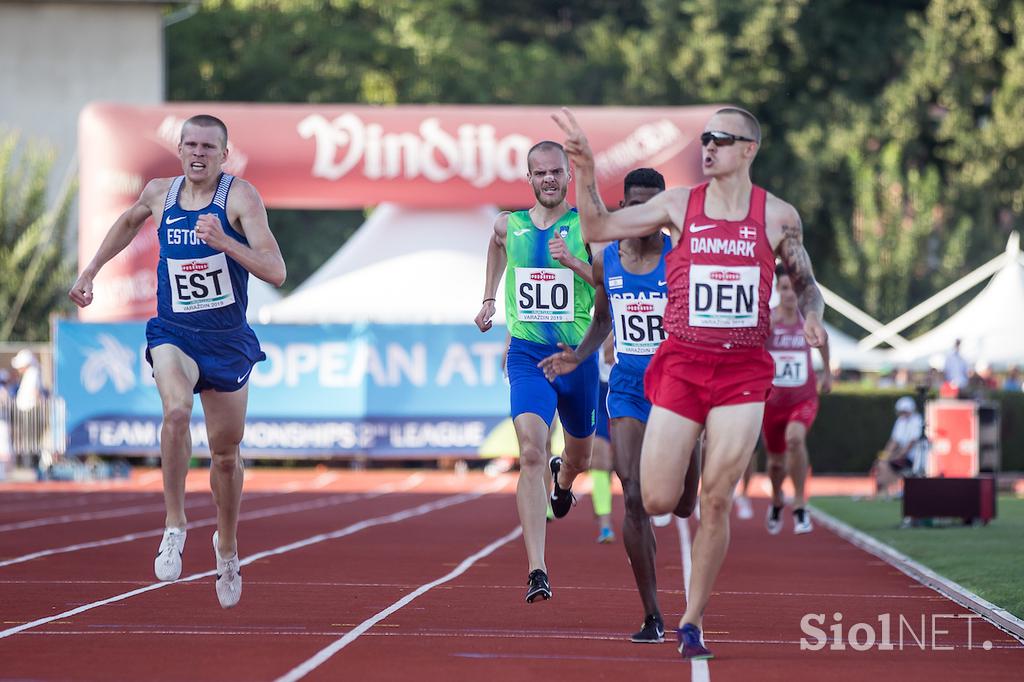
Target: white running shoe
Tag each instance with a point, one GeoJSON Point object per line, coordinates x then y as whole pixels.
{"type": "Point", "coordinates": [167, 565]}
{"type": "Point", "coordinates": [773, 520]}
{"type": "Point", "coordinates": [743, 508]}
{"type": "Point", "coordinates": [661, 520]}
{"type": "Point", "coordinates": [229, 578]}
{"type": "Point", "coordinates": [802, 522]}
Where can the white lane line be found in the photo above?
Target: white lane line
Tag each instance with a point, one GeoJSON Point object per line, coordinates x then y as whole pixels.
{"type": "Point", "coordinates": [325, 479]}
{"type": "Point", "coordinates": [699, 671]}
{"type": "Point", "coordinates": [343, 498]}
{"type": "Point", "coordinates": [412, 512]}
{"type": "Point", "coordinates": [49, 501]}
{"type": "Point", "coordinates": [87, 516]}
{"type": "Point", "coordinates": [291, 487]}
{"type": "Point", "coordinates": [955, 592]}
{"type": "Point", "coordinates": [324, 654]}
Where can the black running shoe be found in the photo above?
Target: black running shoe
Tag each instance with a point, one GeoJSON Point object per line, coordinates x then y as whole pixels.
{"type": "Point", "coordinates": [539, 586]}
{"type": "Point", "coordinates": [562, 500]}
{"type": "Point", "coordinates": [653, 631]}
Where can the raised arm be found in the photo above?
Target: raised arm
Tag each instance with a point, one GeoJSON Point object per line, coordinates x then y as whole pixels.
{"type": "Point", "coordinates": [497, 259]}
{"type": "Point", "coordinates": [568, 358]}
{"type": "Point", "coordinates": [120, 235]}
{"type": "Point", "coordinates": [826, 379]}
{"type": "Point", "coordinates": [597, 222]}
{"type": "Point", "coordinates": [790, 249]}
{"type": "Point", "coordinates": [262, 257]}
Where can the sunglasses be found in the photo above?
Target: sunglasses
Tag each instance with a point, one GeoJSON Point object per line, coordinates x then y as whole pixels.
{"type": "Point", "coordinates": [722, 139]}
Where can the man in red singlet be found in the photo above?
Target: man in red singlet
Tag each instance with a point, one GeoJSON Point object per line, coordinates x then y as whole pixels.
{"type": "Point", "coordinates": [712, 373]}
{"type": "Point", "coordinates": [792, 405]}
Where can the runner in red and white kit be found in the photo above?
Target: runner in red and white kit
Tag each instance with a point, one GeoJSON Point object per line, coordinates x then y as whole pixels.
{"type": "Point", "coordinates": [712, 372]}
{"type": "Point", "coordinates": [792, 405]}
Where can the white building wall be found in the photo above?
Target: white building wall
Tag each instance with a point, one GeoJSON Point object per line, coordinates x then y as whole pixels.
{"type": "Point", "coordinates": [55, 57]}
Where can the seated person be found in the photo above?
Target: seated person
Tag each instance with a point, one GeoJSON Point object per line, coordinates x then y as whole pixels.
{"type": "Point", "coordinates": [903, 451]}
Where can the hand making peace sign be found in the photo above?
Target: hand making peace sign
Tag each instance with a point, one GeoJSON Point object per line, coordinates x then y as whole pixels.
{"type": "Point", "coordinates": [576, 144]}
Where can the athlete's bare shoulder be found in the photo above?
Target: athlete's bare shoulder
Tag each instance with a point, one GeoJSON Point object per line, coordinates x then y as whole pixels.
{"type": "Point", "coordinates": [154, 194]}
{"type": "Point", "coordinates": [501, 223]}
{"type": "Point", "coordinates": [781, 219]}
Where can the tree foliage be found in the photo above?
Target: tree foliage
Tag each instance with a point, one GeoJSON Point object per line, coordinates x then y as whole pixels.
{"type": "Point", "coordinates": [34, 270]}
{"type": "Point", "coordinates": [892, 126]}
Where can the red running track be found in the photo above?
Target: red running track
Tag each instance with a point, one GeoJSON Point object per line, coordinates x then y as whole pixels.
{"type": "Point", "coordinates": [398, 574]}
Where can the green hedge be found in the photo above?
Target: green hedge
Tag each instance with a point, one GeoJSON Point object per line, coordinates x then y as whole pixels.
{"type": "Point", "coordinates": [854, 423]}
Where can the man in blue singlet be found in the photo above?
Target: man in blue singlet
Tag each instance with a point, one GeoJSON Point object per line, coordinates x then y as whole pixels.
{"type": "Point", "coordinates": [630, 301]}
{"type": "Point", "coordinates": [548, 294]}
{"type": "Point", "coordinates": [213, 233]}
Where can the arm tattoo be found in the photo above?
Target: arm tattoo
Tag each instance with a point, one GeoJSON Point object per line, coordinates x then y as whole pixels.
{"type": "Point", "coordinates": [595, 197]}
{"type": "Point", "coordinates": [798, 264]}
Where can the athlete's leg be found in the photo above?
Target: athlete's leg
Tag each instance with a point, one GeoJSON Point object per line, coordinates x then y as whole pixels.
{"type": "Point", "coordinates": [691, 486]}
{"type": "Point", "coordinates": [175, 374]}
{"type": "Point", "coordinates": [742, 501]}
{"type": "Point", "coordinates": [225, 425]}
{"type": "Point", "coordinates": [797, 461]}
{"type": "Point", "coordinates": [665, 458]}
{"type": "Point", "coordinates": [777, 475]}
{"type": "Point", "coordinates": [731, 435]}
{"type": "Point", "coordinates": [601, 486]}
{"type": "Point", "coordinates": [531, 493]}
{"type": "Point", "coordinates": [638, 537]}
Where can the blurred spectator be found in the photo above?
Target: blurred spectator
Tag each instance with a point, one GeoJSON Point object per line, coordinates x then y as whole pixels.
{"type": "Point", "coordinates": [955, 368]}
{"type": "Point", "coordinates": [905, 451]}
{"type": "Point", "coordinates": [7, 386]}
{"type": "Point", "coordinates": [30, 387]}
{"type": "Point", "coordinates": [902, 377]}
{"type": "Point", "coordinates": [1012, 382]}
{"type": "Point", "coordinates": [982, 381]}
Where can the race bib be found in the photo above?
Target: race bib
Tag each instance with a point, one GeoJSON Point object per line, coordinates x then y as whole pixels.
{"type": "Point", "coordinates": [790, 368]}
{"type": "Point", "coordinates": [544, 295]}
{"type": "Point", "coordinates": [200, 283]}
{"type": "Point", "coordinates": [724, 296]}
{"type": "Point", "coordinates": [638, 324]}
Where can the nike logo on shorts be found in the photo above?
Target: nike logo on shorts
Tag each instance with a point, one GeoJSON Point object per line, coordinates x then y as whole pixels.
{"type": "Point", "coordinates": [242, 378]}
{"type": "Point", "coordinates": [694, 229]}
{"type": "Point", "coordinates": [171, 221]}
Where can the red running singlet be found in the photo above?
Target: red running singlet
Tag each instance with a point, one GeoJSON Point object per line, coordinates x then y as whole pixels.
{"type": "Point", "coordinates": [795, 380]}
{"type": "Point", "coordinates": [720, 277]}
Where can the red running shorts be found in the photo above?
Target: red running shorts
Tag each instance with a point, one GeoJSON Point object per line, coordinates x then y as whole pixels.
{"type": "Point", "coordinates": [691, 380]}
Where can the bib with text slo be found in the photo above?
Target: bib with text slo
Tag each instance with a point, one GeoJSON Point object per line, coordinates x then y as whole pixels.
{"type": "Point", "coordinates": [724, 296]}
{"type": "Point", "coordinates": [790, 368]}
{"type": "Point", "coordinates": [200, 283]}
{"type": "Point", "coordinates": [544, 295]}
{"type": "Point", "coordinates": [638, 324]}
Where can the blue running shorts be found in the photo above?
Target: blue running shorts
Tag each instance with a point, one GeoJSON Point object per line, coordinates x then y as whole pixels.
{"type": "Point", "coordinates": [225, 358]}
{"type": "Point", "coordinates": [602, 412]}
{"type": "Point", "coordinates": [626, 395]}
{"type": "Point", "coordinates": [574, 394]}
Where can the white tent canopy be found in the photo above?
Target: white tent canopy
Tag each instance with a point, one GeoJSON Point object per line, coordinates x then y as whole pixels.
{"type": "Point", "coordinates": [260, 294]}
{"type": "Point", "coordinates": [404, 265]}
{"type": "Point", "coordinates": [990, 327]}
{"type": "Point", "coordinates": [844, 353]}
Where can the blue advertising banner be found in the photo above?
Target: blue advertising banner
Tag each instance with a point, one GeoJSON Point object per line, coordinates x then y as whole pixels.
{"type": "Point", "coordinates": [386, 390]}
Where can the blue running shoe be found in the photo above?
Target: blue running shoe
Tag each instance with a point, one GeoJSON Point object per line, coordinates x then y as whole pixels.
{"type": "Point", "coordinates": [606, 536]}
{"type": "Point", "coordinates": [691, 644]}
